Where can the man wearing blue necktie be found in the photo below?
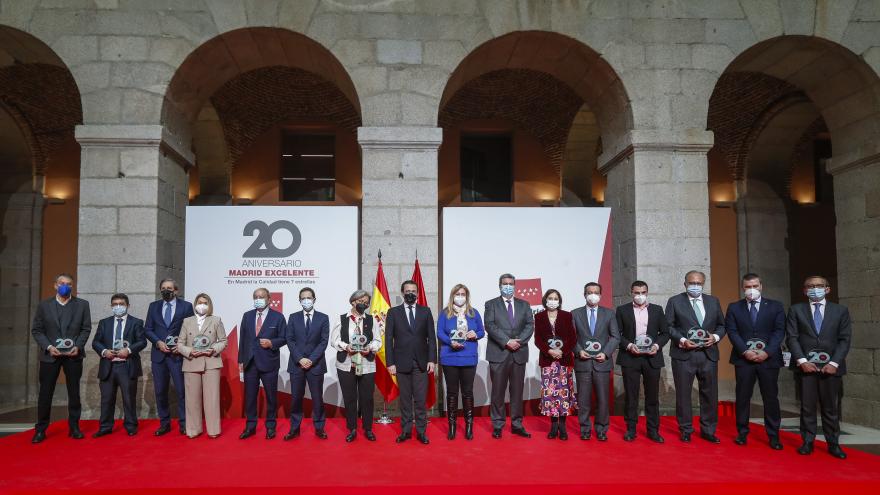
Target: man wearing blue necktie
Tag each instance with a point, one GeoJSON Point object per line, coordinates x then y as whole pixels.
{"type": "Point", "coordinates": [819, 334]}
{"type": "Point", "coordinates": [119, 340]}
{"type": "Point", "coordinates": [308, 332]}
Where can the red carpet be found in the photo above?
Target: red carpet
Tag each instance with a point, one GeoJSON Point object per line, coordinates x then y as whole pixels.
{"type": "Point", "coordinates": [511, 465]}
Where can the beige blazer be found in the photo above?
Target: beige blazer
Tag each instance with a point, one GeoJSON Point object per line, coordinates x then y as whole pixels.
{"type": "Point", "coordinates": [213, 328]}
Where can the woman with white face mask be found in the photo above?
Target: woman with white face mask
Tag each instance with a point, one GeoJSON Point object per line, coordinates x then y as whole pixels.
{"type": "Point", "coordinates": [202, 339]}
{"type": "Point", "coordinates": [555, 337]}
{"type": "Point", "coordinates": [458, 329]}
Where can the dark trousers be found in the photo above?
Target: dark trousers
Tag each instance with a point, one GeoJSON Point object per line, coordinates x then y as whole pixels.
{"type": "Point", "coordinates": [119, 379]}
{"type": "Point", "coordinates": [705, 370]}
{"type": "Point", "coordinates": [507, 376]}
{"type": "Point", "coordinates": [823, 391]}
{"type": "Point", "coordinates": [650, 378]}
{"type": "Point", "coordinates": [413, 387]}
{"type": "Point", "coordinates": [170, 369]}
{"type": "Point", "coordinates": [768, 384]}
{"type": "Point", "coordinates": [587, 382]}
{"type": "Point", "coordinates": [48, 378]}
{"type": "Point", "coordinates": [357, 396]}
{"type": "Point", "coordinates": [459, 379]}
{"type": "Point", "coordinates": [252, 378]}
{"type": "Point", "coordinates": [298, 380]}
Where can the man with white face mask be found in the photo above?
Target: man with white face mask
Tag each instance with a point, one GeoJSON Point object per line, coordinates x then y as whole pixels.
{"type": "Point", "coordinates": [756, 328]}
{"type": "Point", "coordinates": [261, 336]}
{"type": "Point", "coordinates": [696, 324]}
{"type": "Point", "coordinates": [308, 332]}
{"type": "Point", "coordinates": [819, 334]}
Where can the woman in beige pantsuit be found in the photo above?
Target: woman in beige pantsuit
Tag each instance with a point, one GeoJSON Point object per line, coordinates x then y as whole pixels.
{"type": "Point", "coordinates": [201, 368]}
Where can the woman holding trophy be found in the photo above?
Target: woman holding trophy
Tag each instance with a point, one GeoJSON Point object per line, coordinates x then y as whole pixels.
{"type": "Point", "coordinates": [458, 329]}
{"type": "Point", "coordinates": [202, 339]}
{"type": "Point", "coordinates": [555, 337]}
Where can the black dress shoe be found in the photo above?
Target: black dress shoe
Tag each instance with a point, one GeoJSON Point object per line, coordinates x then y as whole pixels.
{"type": "Point", "coordinates": [270, 433]}
{"type": "Point", "coordinates": [775, 444]}
{"type": "Point", "coordinates": [740, 439]}
{"type": "Point", "coordinates": [710, 438]}
{"type": "Point", "coordinates": [422, 438]}
{"type": "Point", "coordinates": [247, 433]}
{"type": "Point", "coordinates": [403, 437]}
{"type": "Point", "coordinates": [655, 437]}
{"type": "Point", "coordinates": [585, 435]}
{"type": "Point", "coordinates": [291, 434]}
{"type": "Point", "coordinates": [351, 436]}
{"type": "Point", "coordinates": [132, 433]}
{"type": "Point", "coordinates": [76, 434]}
{"type": "Point", "coordinates": [806, 448]}
{"type": "Point", "coordinates": [563, 435]}
{"type": "Point", "coordinates": [836, 451]}
{"type": "Point", "coordinates": [320, 433]}
{"type": "Point", "coordinates": [521, 432]}
{"type": "Point", "coordinates": [181, 429]}
{"type": "Point", "coordinates": [629, 436]}
{"type": "Point", "coordinates": [370, 436]}
{"type": "Point", "coordinates": [162, 430]}
{"type": "Point", "coordinates": [101, 433]}
{"type": "Point", "coordinates": [496, 433]}
{"type": "Point", "coordinates": [39, 436]}
{"type": "Point", "coordinates": [601, 436]}
{"type": "Point", "coordinates": [685, 437]}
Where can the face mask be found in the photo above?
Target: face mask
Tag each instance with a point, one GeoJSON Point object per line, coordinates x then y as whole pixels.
{"type": "Point", "coordinates": [552, 304]}
{"type": "Point", "coordinates": [307, 303]}
{"type": "Point", "coordinates": [593, 299]}
{"type": "Point", "coordinates": [816, 293]}
{"type": "Point", "coordinates": [752, 294]}
{"type": "Point", "coordinates": [360, 307]}
{"type": "Point", "coordinates": [167, 294]}
{"type": "Point", "coordinates": [119, 310]}
{"type": "Point", "coordinates": [695, 290]}
{"type": "Point", "coordinates": [410, 298]}
{"type": "Point", "coordinates": [64, 290]}
{"type": "Point", "coordinates": [201, 309]}
{"type": "Point", "coordinates": [459, 300]}
{"type": "Point", "coordinates": [640, 299]}
{"type": "Point", "coordinates": [259, 303]}
{"type": "Point", "coordinates": [507, 290]}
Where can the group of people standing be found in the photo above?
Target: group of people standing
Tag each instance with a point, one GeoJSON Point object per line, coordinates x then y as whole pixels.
{"type": "Point", "coordinates": [576, 360]}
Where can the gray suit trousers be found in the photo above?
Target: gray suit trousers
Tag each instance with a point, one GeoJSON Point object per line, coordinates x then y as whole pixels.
{"type": "Point", "coordinates": [507, 375]}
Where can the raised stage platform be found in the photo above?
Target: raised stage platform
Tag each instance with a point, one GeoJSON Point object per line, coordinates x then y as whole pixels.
{"type": "Point", "coordinates": [176, 464]}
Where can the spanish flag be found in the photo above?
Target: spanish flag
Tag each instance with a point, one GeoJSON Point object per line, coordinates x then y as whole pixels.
{"type": "Point", "coordinates": [385, 382]}
{"type": "Point", "coordinates": [423, 301]}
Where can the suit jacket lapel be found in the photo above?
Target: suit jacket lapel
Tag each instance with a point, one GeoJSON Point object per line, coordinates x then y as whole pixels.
{"type": "Point", "coordinates": [828, 313]}
{"type": "Point", "coordinates": [690, 306]}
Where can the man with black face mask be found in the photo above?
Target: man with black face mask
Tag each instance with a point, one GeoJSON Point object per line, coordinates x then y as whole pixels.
{"type": "Point", "coordinates": [164, 318]}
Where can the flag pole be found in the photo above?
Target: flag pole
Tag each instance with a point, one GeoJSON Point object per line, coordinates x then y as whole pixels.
{"type": "Point", "coordinates": [383, 418]}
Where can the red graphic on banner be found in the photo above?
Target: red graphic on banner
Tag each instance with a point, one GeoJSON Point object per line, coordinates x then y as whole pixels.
{"type": "Point", "coordinates": [529, 289]}
{"type": "Point", "coordinates": [276, 301]}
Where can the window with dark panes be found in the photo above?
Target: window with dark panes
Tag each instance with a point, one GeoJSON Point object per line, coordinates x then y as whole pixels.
{"type": "Point", "coordinates": [486, 168]}
{"type": "Point", "coordinates": [308, 167]}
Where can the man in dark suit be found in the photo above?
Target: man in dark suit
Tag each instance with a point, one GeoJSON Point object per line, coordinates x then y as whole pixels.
{"type": "Point", "coordinates": [509, 323]}
{"type": "Point", "coordinates": [756, 328]}
{"type": "Point", "coordinates": [308, 332]}
{"type": "Point", "coordinates": [119, 340]}
{"type": "Point", "coordinates": [593, 371]}
{"type": "Point", "coordinates": [689, 316]}
{"type": "Point", "coordinates": [260, 336]}
{"type": "Point", "coordinates": [819, 335]}
{"type": "Point", "coordinates": [637, 320]}
{"type": "Point", "coordinates": [61, 319]}
{"type": "Point", "coordinates": [164, 318]}
{"type": "Point", "coordinates": [410, 352]}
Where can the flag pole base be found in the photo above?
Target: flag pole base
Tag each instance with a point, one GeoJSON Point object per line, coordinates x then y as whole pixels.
{"type": "Point", "coordinates": [383, 418]}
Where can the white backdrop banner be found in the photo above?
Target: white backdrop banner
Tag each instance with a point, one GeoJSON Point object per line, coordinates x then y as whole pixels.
{"type": "Point", "coordinates": [233, 250]}
{"type": "Point", "coordinates": [545, 248]}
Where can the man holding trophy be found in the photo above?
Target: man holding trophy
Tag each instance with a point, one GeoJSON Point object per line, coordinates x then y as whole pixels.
{"type": "Point", "coordinates": [696, 324]}
{"type": "Point", "coordinates": [756, 328]}
{"type": "Point", "coordinates": [62, 325]}
{"type": "Point", "coordinates": [119, 340]}
{"type": "Point", "coordinates": [643, 335]}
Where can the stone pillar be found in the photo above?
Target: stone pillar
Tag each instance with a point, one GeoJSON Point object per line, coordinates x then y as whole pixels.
{"type": "Point", "coordinates": [857, 208]}
{"type": "Point", "coordinates": [133, 195]}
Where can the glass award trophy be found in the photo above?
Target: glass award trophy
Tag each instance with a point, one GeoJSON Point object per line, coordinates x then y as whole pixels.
{"type": "Point", "coordinates": [756, 345]}
{"type": "Point", "coordinates": [64, 346]}
{"type": "Point", "coordinates": [698, 336]}
{"type": "Point", "coordinates": [554, 343]}
{"type": "Point", "coordinates": [459, 335]}
{"type": "Point", "coordinates": [818, 357]}
{"type": "Point", "coordinates": [644, 343]}
{"type": "Point", "coordinates": [171, 341]}
{"type": "Point", "coordinates": [201, 343]}
{"type": "Point", "coordinates": [358, 342]}
{"type": "Point", "coordinates": [120, 344]}
{"type": "Point", "coordinates": [592, 347]}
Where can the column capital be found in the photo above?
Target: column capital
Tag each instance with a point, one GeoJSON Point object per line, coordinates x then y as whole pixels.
{"type": "Point", "coordinates": [688, 141]}
{"type": "Point", "coordinates": [133, 136]}
{"type": "Point", "coordinates": [400, 138]}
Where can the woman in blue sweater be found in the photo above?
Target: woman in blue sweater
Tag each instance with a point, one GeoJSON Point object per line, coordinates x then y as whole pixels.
{"type": "Point", "coordinates": [459, 327]}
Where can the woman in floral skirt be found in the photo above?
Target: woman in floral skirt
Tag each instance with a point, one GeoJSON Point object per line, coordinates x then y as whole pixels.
{"type": "Point", "coordinates": [555, 338]}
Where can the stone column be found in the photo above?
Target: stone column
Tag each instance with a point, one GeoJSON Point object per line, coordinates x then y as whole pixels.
{"type": "Point", "coordinates": [133, 195]}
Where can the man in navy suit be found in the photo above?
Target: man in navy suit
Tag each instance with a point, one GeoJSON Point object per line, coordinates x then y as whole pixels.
{"type": "Point", "coordinates": [164, 318]}
{"type": "Point", "coordinates": [260, 338]}
{"type": "Point", "coordinates": [756, 328]}
{"type": "Point", "coordinates": [119, 340]}
{"type": "Point", "coordinates": [308, 332]}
